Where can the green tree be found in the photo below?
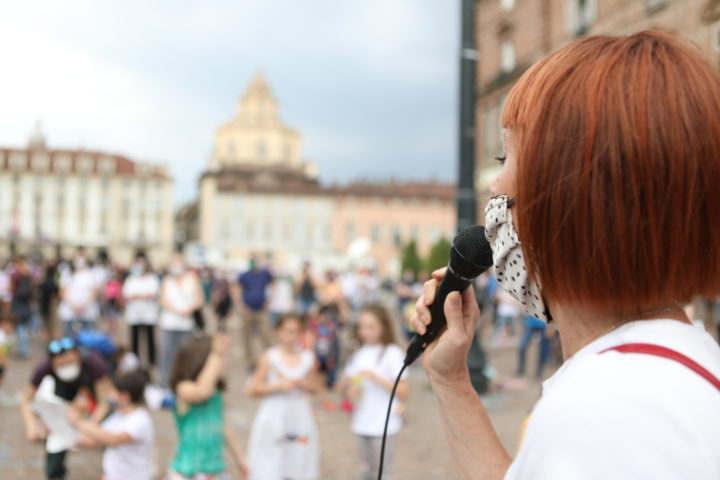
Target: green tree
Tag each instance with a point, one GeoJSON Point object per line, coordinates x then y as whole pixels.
{"type": "Point", "coordinates": [439, 255]}
{"type": "Point", "coordinates": [410, 258]}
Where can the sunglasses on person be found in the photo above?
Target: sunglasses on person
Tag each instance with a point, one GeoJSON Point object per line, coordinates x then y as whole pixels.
{"type": "Point", "coordinates": [64, 344]}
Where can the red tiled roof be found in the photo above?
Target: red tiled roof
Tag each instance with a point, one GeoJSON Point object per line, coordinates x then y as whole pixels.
{"type": "Point", "coordinates": [426, 190]}
{"type": "Point", "coordinates": [122, 164]}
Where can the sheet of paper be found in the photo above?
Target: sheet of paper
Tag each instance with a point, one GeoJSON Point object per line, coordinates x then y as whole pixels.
{"type": "Point", "coordinates": [52, 410]}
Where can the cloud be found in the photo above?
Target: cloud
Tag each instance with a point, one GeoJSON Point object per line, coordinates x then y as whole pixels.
{"type": "Point", "coordinates": [369, 83]}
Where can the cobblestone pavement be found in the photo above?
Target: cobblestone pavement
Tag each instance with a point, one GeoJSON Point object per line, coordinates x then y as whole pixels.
{"type": "Point", "coordinates": [421, 449]}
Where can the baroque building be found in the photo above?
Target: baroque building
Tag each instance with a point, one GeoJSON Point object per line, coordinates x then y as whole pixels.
{"type": "Point", "coordinates": [258, 196]}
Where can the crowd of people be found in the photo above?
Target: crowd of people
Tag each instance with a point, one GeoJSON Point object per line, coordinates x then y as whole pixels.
{"type": "Point", "coordinates": [333, 339]}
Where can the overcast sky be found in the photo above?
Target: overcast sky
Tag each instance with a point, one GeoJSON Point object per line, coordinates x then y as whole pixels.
{"type": "Point", "coordinates": [370, 84]}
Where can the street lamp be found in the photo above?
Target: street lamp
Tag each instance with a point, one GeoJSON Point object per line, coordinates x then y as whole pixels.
{"type": "Point", "coordinates": [466, 196]}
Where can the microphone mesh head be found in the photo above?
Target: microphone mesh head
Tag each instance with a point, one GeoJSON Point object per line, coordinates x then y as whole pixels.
{"type": "Point", "coordinates": [476, 255]}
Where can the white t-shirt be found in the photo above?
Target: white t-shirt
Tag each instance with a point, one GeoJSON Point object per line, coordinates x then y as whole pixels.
{"type": "Point", "coordinates": [102, 275]}
{"type": "Point", "coordinates": [281, 296]}
{"type": "Point", "coordinates": [371, 408]}
{"type": "Point", "coordinates": [141, 311]}
{"type": "Point", "coordinates": [79, 287]}
{"type": "Point", "coordinates": [628, 415]}
{"type": "Point", "coordinates": [133, 459]}
{"type": "Point", "coordinates": [181, 293]}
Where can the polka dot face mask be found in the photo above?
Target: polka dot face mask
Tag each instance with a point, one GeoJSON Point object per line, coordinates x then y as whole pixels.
{"type": "Point", "coordinates": [509, 260]}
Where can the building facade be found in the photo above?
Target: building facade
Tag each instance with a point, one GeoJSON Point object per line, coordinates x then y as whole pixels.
{"type": "Point", "coordinates": [259, 197]}
{"type": "Point", "coordinates": [513, 34]}
{"type": "Point", "coordinates": [53, 201]}
{"type": "Point", "coordinates": [389, 215]}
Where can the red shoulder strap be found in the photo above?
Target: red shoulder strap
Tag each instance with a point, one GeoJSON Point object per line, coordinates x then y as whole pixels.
{"type": "Point", "coordinates": [658, 351]}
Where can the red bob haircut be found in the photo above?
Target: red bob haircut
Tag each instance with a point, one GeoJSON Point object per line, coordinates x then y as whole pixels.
{"type": "Point", "coordinates": [617, 141]}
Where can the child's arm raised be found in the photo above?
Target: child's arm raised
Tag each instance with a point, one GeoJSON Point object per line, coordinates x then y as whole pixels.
{"type": "Point", "coordinates": [259, 385]}
{"type": "Point", "coordinates": [204, 387]}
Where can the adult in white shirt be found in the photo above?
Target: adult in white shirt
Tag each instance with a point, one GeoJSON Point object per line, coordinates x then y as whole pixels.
{"type": "Point", "coordinates": [605, 220]}
{"type": "Point", "coordinates": [180, 296]}
{"type": "Point", "coordinates": [79, 293]}
{"type": "Point", "coordinates": [141, 292]}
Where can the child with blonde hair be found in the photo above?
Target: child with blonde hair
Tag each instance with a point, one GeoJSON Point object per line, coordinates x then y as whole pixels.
{"type": "Point", "coordinates": [368, 380]}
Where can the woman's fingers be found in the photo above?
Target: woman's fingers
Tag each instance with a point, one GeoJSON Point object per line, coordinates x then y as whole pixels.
{"type": "Point", "coordinates": [471, 311]}
{"type": "Point", "coordinates": [421, 319]}
{"type": "Point", "coordinates": [430, 287]}
{"type": "Point", "coordinates": [454, 313]}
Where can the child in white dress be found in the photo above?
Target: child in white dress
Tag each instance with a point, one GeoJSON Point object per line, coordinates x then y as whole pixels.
{"type": "Point", "coordinates": [283, 441]}
{"type": "Point", "coordinates": [368, 380]}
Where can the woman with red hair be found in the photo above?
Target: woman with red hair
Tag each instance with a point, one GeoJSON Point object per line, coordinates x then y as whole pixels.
{"type": "Point", "coordinates": [605, 219]}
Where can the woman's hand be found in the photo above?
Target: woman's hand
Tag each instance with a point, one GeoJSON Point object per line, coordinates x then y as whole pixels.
{"type": "Point", "coordinates": [445, 359]}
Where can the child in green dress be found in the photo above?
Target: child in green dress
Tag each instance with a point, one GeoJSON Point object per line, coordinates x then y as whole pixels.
{"type": "Point", "coordinates": [198, 385]}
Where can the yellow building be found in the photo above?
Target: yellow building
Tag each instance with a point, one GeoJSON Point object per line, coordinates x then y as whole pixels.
{"type": "Point", "coordinates": [53, 201]}
{"type": "Point", "coordinates": [257, 135]}
{"type": "Point", "coordinates": [259, 196]}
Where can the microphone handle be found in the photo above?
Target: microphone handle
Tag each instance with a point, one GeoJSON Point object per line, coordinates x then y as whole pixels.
{"type": "Point", "coordinates": [450, 283]}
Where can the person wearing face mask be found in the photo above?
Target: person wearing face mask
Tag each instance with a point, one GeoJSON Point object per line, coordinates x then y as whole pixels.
{"type": "Point", "coordinates": [140, 291]}
{"type": "Point", "coordinates": [79, 293]}
{"type": "Point", "coordinates": [604, 221]}
{"type": "Point", "coordinates": [180, 296]}
{"type": "Point", "coordinates": [70, 375]}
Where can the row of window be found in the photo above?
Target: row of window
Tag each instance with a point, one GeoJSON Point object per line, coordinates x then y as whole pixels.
{"type": "Point", "coordinates": [58, 202]}
{"type": "Point", "coordinates": [261, 150]}
{"type": "Point", "coordinates": [129, 185]}
{"type": "Point", "coordinates": [579, 17]}
{"type": "Point", "coordinates": [582, 10]}
{"type": "Point", "coordinates": [40, 161]}
{"type": "Point", "coordinates": [393, 235]}
{"type": "Point", "coordinates": [311, 234]}
{"type": "Point", "coordinates": [80, 230]}
{"type": "Point", "coordinates": [350, 202]}
{"type": "Point", "coordinates": [267, 232]}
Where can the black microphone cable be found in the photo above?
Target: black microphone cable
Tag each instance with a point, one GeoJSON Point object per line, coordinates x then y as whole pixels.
{"type": "Point", "coordinates": [470, 255]}
{"type": "Point", "coordinates": [387, 420]}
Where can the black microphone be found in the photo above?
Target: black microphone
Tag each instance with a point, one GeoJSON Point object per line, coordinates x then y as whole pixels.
{"type": "Point", "coordinates": [470, 256]}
